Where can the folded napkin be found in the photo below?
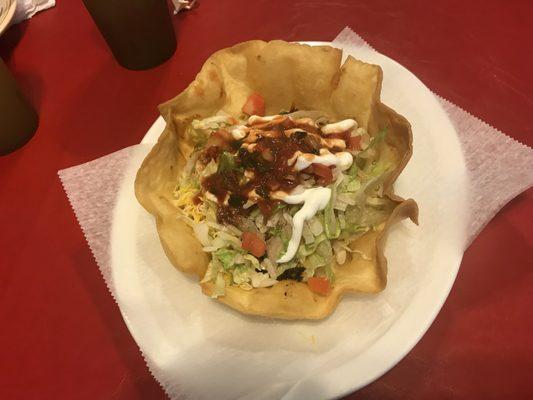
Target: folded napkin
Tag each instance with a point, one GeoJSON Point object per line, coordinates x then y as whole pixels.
{"type": "Point", "coordinates": [197, 349]}
{"type": "Point", "coordinates": [28, 8]}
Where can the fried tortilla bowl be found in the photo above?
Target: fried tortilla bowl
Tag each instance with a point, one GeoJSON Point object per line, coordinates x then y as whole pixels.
{"type": "Point", "coordinates": [287, 75]}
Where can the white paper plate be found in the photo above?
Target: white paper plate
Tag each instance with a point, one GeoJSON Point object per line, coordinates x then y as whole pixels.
{"type": "Point", "coordinates": [7, 11]}
{"type": "Point", "coordinates": [148, 289]}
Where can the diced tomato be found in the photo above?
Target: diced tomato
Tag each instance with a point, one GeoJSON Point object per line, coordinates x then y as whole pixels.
{"type": "Point", "coordinates": [319, 285]}
{"type": "Point", "coordinates": [354, 143]}
{"type": "Point", "coordinates": [253, 243]}
{"type": "Point", "coordinates": [323, 172]}
{"type": "Point", "coordinates": [255, 105]}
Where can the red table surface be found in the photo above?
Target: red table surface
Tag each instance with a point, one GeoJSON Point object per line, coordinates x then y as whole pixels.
{"type": "Point", "coordinates": [62, 335]}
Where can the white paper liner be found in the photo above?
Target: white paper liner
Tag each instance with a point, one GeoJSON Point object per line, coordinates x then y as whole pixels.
{"type": "Point", "coordinates": [225, 355]}
{"type": "Point", "coordinates": [88, 187]}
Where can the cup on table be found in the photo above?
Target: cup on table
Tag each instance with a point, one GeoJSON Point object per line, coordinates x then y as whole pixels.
{"type": "Point", "coordinates": [18, 119]}
{"type": "Point", "coordinates": [138, 32]}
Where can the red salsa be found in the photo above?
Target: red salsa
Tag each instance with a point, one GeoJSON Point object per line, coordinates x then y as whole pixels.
{"type": "Point", "coordinates": [260, 165]}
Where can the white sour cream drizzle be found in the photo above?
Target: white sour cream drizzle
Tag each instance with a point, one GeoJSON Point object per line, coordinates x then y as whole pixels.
{"type": "Point", "coordinates": [343, 160]}
{"type": "Point", "coordinates": [239, 132]}
{"type": "Point", "coordinates": [315, 200]}
{"type": "Point", "coordinates": [256, 119]}
{"type": "Point", "coordinates": [339, 127]}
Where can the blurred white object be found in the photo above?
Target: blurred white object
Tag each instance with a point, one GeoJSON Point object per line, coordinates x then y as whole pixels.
{"type": "Point", "coordinates": [27, 8]}
{"type": "Point", "coordinates": [7, 11]}
{"type": "Point", "coordinates": [180, 5]}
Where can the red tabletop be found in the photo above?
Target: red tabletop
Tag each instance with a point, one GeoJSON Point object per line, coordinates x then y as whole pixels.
{"type": "Point", "coordinates": [62, 335]}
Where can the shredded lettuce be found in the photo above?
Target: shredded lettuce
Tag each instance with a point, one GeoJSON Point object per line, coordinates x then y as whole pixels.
{"type": "Point", "coordinates": [330, 275]}
{"type": "Point", "coordinates": [312, 263]}
{"type": "Point", "coordinates": [324, 250]}
{"type": "Point", "coordinates": [226, 257]}
{"type": "Point", "coordinates": [220, 285]}
{"type": "Point", "coordinates": [315, 226]}
{"type": "Point", "coordinates": [356, 206]}
{"type": "Point", "coordinates": [197, 136]}
{"type": "Point", "coordinates": [308, 234]}
{"type": "Point", "coordinates": [226, 162]}
{"type": "Point", "coordinates": [331, 223]}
